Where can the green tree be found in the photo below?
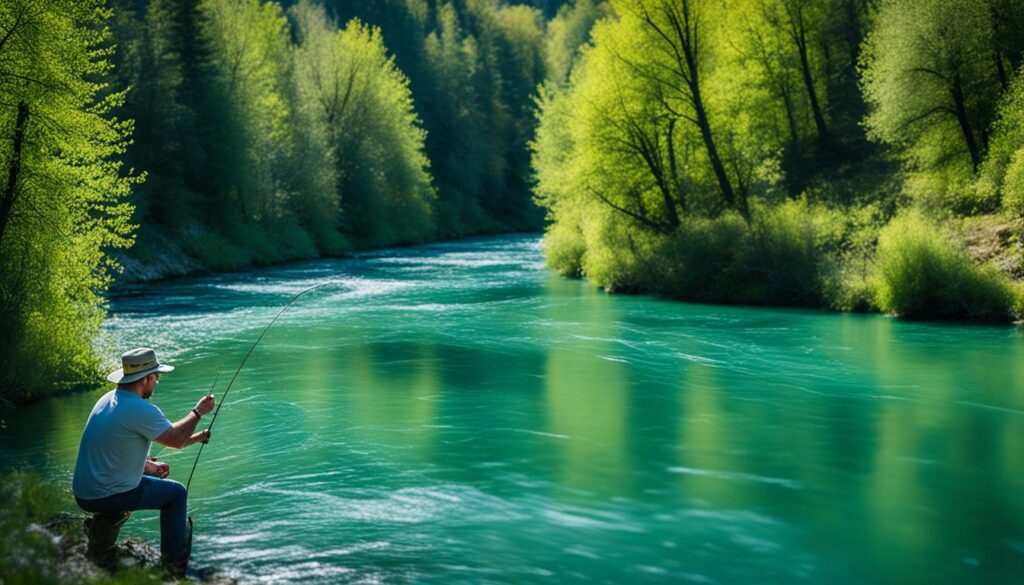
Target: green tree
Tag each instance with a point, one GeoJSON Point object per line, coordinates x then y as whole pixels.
{"type": "Point", "coordinates": [799, 23]}
{"type": "Point", "coordinates": [930, 80]}
{"type": "Point", "coordinates": [247, 63]}
{"type": "Point", "coordinates": [1002, 174]}
{"type": "Point", "coordinates": [363, 101]}
{"type": "Point", "coordinates": [566, 33]}
{"type": "Point", "coordinates": [62, 192]}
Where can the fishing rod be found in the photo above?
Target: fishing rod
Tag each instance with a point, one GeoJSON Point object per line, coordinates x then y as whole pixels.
{"type": "Point", "coordinates": [220, 402]}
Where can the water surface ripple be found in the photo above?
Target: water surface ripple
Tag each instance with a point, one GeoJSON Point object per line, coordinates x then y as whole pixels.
{"type": "Point", "coordinates": [456, 413]}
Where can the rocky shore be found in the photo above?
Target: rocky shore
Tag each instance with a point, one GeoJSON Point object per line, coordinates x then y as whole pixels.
{"type": "Point", "coordinates": [138, 561]}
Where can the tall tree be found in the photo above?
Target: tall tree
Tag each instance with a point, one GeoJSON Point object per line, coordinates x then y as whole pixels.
{"type": "Point", "coordinates": [674, 33]}
{"type": "Point", "coordinates": [363, 100]}
{"type": "Point", "coordinates": [567, 32]}
{"type": "Point", "coordinates": [929, 78]}
{"type": "Point", "coordinates": [62, 191]}
{"type": "Point", "coordinates": [801, 22]}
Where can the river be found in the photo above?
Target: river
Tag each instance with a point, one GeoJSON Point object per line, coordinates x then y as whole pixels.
{"type": "Point", "coordinates": [457, 413]}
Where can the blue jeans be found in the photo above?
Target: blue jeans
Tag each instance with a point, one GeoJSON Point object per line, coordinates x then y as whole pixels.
{"type": "Point", "coordinates": [153, 493]}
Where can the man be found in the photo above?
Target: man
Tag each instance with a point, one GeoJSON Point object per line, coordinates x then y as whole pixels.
{"type": "Point", "coordinates": [114, 474]}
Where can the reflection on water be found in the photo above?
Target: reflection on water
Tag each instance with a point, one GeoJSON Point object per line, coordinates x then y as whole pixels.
{"type": "Point", "coordinates": [455, 413]}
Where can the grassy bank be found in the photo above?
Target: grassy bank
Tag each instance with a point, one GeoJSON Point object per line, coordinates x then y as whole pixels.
{"type": "Point", "coordinates": [43, 541]}
{"type": "Point", "coordinates": [850, 259]}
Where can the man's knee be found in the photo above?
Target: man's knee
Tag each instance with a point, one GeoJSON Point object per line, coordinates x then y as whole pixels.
{"type": "Point", "coordinates": [178, 492]}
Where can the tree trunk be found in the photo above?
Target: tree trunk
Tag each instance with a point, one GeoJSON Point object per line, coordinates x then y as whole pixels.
{"type": "Point", "coordinates": [672, 167]}
{"type": "Point", "coordinates": [686, 31]}
{"type": "Point", "coordinates": [650, 151]}
{"type": "Point", "coordinates": [1004, 81]}
{"type": "Point", "coordinates": [965, 123]}
{"type": "Point", "coordinates": [709, 144]}
{"type": "Point", "coordinates": [14, 169]}
{"type": "Point", "coordinates": [812, 94]}
{"type": "Point", "coordinates": [787, 102]}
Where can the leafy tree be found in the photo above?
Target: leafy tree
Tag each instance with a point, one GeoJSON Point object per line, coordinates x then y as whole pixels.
{"type": "Point", "coordinates": [929, 77]}
{"type": "Point", "coordinates": [247, 44]}
{"type": "Point", "coordinates": [149, 60]}
{"type": "Point", "coordinates": [1002, 173]}
{"type": "Point", "coordinates": [62, 191]}
{"type": "Point", "coordinates": [799, 22]}
{"type": "Point", "coordinates": [566, 33]}
{"type": "Point", "coordinates": [1008, 45]}
{"type": "Point", "coordinates": [363, 101]}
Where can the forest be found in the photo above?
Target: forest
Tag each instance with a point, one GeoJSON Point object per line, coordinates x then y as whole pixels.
{"type": "Point", "coordinates": [841, 153]}
{"type": "Point", "coordinates": [849, 154]}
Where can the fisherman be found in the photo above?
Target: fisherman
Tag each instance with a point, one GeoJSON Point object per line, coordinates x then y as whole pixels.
{"type": "Point", "coordinates": [115, 475]}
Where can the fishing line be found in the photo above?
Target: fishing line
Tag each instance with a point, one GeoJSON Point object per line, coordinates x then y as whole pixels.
{"type": "Point", "coordinates": [220, 402]}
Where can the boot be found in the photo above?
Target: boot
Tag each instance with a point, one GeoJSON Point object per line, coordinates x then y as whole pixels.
{"type": "Point", "coordinates": [102, 530]}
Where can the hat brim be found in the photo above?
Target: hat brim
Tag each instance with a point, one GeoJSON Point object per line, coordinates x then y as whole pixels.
{"type": "Point", "coordinates": [118, 376]}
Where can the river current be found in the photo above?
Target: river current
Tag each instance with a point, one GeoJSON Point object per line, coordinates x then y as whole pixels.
{"type": "Point", "coordinates": [457, 413]}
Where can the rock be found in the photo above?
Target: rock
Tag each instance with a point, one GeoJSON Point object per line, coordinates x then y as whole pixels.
{"type": "Point", "coordinates": [65, 531]}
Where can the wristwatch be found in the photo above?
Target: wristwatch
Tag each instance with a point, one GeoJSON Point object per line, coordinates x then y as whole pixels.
{"type": "Point", "coordinates": [196, 412]}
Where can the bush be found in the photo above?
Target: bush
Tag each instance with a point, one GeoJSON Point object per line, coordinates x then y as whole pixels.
{"type": "Point", "coordinates": [700, 261]}
{"type": "Point", "coordinates": [26, 556]}
{"type": "Point", "coordinates": [775, 259]}
{"type": "Point", "coordinates": [1013, 184]}
{"type": "Point", "coordinates": [564, 248]}
{"type": "Point", "coordinates": [782, 259]}
{"type": "Point", "coordinates": [923, 273]}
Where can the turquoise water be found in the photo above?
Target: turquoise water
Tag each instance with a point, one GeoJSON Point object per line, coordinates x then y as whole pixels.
{"type": "Point", "coordinates": [456, 413]}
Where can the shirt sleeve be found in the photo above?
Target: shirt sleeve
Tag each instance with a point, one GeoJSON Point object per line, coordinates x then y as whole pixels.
{"type": "Point", "coordinates": [149, 421]}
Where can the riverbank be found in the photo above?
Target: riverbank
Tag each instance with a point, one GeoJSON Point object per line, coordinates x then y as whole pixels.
{"type": "Point", "coordinates": [44, 542]}
{"type": "Point", "coordinates": [851, 259]}
{"type": "Point", "coordinates": [158, 256]}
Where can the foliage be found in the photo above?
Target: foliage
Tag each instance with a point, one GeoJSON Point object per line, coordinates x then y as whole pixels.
{"type": "Point", "coordinates": [778, 258]}
{"type": "Point", "coordinates": [1002, 173]}
{"type": "Point", "coordinates": [473, 70]}
{"type": "Point", "coordinates": [567, 33]}
{"type": "Point", "coordinates": [931, 80]}
{"type": "Point", "coordinates": [27, 555]}
{"type": "Point", "coordinates": [924, 273]}
{"type": "Point", "coordinates": [363, 100]}
{"type": "Point", "coordinates": [62, 192]}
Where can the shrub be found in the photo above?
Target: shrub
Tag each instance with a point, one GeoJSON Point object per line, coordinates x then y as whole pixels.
{"type": "Point", "coordinates": [618, 255]}
{"type": "Point", "coordinates": [26, 556]}
{"type": "Point", "coordinates": [701, 260]}
{"type": "Point", "coordinates": [1013, 184]}
{"type": "Point", "coordinates": [775, 259]}
{"type": "Point", "coordinates": [923, 273]}
{"type": "Point", "coordinates": [564, 248]}
{"type": "Point", "coordinates": [782, 259]}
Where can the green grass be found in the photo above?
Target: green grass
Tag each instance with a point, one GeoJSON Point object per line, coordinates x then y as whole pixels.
{"type": "Point", "coordinates": [29, 557]}
{"type": "Point", "coordinates": [923, 272]}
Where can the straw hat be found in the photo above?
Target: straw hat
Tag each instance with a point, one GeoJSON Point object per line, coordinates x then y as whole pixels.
{"type": "Point", "coordinates": [137, 364]}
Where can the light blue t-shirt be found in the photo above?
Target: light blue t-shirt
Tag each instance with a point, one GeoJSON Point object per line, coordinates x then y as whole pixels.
{"type": "Point", "coordinates": [115, 444]}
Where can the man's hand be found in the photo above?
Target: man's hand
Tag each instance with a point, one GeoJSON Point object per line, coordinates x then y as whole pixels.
{"type": "Point", "coordinates": [205, 405]}
{"type": "Point", "coordinates": [157, 468]}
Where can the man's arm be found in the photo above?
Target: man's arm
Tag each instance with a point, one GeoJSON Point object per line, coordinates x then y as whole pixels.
{"type": "Point", "coordinates": [181, 434]}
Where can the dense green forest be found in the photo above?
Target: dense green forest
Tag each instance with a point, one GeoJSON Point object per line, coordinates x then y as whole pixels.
{"type": "Point", "coordinates": [846, 153]}
{"type": "Point", "coordinates": [218, 134]}
{"type": "Point", "coordinates": [825, 152]}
